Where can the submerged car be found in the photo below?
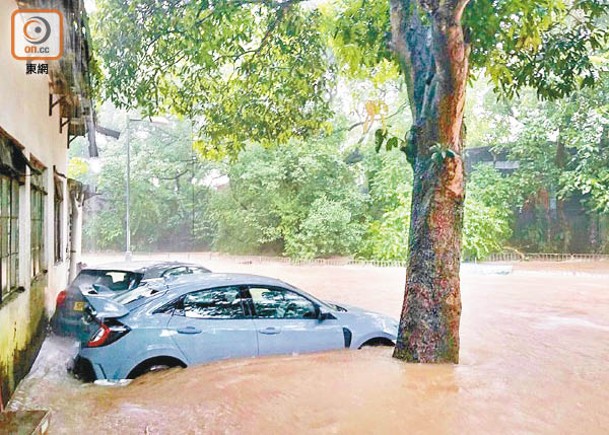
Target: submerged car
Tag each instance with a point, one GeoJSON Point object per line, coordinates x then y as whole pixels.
{"type": "Point", "coordinates": [193, 320]}
{"type": "Point", "coordinates": [110, 280]}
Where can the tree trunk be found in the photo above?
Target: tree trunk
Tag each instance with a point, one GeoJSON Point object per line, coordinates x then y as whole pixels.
{"type": "Point", "coordinates": [434, 56]}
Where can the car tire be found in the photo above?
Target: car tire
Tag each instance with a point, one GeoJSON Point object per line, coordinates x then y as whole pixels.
{"type": "Point", "coordinates": [378, 342]}
{"type": "Point", "coordinates": [155, 365]}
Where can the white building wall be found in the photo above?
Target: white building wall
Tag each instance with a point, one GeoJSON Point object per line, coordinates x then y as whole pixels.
{"type": "Point", "coordinates": [24, 118]}
{"type": "Point", "coordinates": [24, 115]}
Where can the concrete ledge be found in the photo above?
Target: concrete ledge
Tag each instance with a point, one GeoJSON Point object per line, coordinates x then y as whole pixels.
{"type": "Point", "coordinates": [25, 422]}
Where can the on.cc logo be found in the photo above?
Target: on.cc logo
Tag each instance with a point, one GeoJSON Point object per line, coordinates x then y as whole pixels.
{"type": "Point", "coordinates": [37, 34]}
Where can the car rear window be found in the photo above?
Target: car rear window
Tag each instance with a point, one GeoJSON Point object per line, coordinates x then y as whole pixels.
{"type": "Point", "coordinates": [143, 292]}
{"type": "Point", "coordinates": [115, 280]}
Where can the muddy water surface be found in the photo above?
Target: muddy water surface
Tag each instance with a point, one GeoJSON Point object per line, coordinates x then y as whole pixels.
{"type": "Point", "coordinates": [534, 359]}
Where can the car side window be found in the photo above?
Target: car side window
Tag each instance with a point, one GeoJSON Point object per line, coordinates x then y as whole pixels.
{"type": "Point", "coordinates": [218, 303]}
{"type": "Point", "coordinates": [278, 303]}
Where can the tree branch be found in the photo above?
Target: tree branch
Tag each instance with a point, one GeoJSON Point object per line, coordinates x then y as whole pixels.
{"type": "Point", "coordinates": [359, 123]}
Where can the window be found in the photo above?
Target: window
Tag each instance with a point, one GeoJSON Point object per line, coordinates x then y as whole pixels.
{"type": "Point", "coordinates": [218, 303]}
{"type": "Point", "coordinates": [275, 303]}
{"type": "Point", "coordinates": [115, 280]}
{"type": "Point", "coordinates": [9, 235]}
{"type": "Point", "coordinates": [182, 270]}
{"type": "Point", "coordinates": [58, 219]}
{"type": "Point", "coordinates": [37, 195]}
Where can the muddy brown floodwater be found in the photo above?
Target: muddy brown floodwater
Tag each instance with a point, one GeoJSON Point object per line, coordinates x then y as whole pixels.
{"type": "Point", "coordinates": [534, 359]}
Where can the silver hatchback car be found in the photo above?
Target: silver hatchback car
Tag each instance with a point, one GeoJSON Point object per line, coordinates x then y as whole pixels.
{"type": "Point", "coordinates": [192, 320]}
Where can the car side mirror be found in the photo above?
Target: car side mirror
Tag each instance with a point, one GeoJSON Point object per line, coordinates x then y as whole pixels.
{"type": "Point", "coordinates": [323, 315]}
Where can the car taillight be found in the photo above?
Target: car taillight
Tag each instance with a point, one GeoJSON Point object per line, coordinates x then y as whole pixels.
{"type": "Point", "coordinates": [61, 298]}
{"type": "Point", "coordinates": [107, 333]}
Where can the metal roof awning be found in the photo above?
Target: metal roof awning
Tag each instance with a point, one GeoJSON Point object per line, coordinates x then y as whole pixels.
{"type": "Point", "coordinates": [70, 85]}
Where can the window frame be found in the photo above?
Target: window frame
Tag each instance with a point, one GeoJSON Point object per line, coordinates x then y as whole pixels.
{"type": "Point", "coordinates": [316, 306]}
{"type": "Point", "coordinates": [38, 263]}
{"type": "Point", "coordinates": [98, 273]}
{"type": "Point", "coordinates": [170, 272]}
{"type": "Point", "coordinates": [9, 235]}
{"type": "Point", "coordinates": [58, 220]}
{"type": "Point", "coordinates": [176, 307]}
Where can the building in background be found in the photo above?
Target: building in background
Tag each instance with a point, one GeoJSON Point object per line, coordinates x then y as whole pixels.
{"type": "Point", "coordinates": [545, 222]}
{"type": "Point", "coordinates": [43, 108]}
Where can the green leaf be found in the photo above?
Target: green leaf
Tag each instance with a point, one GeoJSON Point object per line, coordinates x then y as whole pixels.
{"type": "Point", "coordinates": [379, 138]}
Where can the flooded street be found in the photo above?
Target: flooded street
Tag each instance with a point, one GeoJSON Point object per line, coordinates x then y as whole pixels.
{"type": "Point", "coordinates": [534, 359]}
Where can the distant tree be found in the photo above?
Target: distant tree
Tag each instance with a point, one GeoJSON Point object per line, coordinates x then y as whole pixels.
{"type": "Point", "coordinates": [300, 200]}
{"type": "Point", "coordinates": [562, 148]}
{"type": "Point", "coordinates": [169, 204]}
{"type": "Point", "coordinates": [488, 214]}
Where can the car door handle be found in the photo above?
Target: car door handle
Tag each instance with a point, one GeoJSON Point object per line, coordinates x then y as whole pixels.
{"type": "Point", "coordinates": [271, 330]}
{"type": "Point", "coordinates": [189, 330]}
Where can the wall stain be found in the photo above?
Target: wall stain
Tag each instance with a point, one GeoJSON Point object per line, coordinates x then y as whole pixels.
{"type": "Point", "coordinates": [25, 316]}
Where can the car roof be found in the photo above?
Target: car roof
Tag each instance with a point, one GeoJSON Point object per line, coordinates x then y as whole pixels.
{"type": "Point", "coordinates": [150, 268]}
{"type": "Point", "coordinates": [179, 285]}
{"type": "Point", "coordinates": [210, 280]}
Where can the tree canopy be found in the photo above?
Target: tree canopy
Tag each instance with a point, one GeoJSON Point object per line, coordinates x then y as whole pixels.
{"type": "Point", "coordinates": [264, 71]}
{"type": "Point", "coordinates": [245, 71]}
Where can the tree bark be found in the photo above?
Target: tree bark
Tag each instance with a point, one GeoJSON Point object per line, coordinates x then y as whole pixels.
{"type": "Point", "coordinates": [429, 41]}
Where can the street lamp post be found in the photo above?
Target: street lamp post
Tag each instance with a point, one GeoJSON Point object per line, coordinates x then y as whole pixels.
{"type": "Point", "coordinates": [152, 120]}
{"type": "Point", "coordinates": [128, 253]}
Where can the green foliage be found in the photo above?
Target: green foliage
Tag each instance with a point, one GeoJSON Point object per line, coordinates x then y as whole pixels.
{"type": "Point", "coordinates": [586, 139]}
{"type": "Point", "coordinates": [254, 74]}
{"type": "Point", "coordinates": [166, 195]}
{"type": "Point", "coordinates": [561, 149]}
{"type": "Point", "coordinates": [563, 145]}
{"type": "Point", "coordinates": [485, 230]}
{"type": "Point", "coordinates": [77, 168]}
{"type": "Point", "coordinates": [489, 212]}
{"type": "Point", "coordinates": [249, 72]}
{"type": "Point", "coordinates": [359, 37]}
{"type": "Point", "coordinates": [382, 136]}
{"type": "Point", "coordinates": [265, 71]}
{"type": "Point", "coordinates": [547, 45]}
{"type": "Point", "coordinates": [387, 238]}
{"type": "Point", "coordinates": [441, 152]}
{"type": "Point", "coordinates": [389, 181]}
{"type": "Point", "coordinates": [295, 200]}
{"type": "Point", "coordinates": [328, 229]}
{"type": "Point", "coordinates": [488, 186]}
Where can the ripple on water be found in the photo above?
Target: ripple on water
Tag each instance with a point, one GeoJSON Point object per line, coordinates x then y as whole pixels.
{"type": "Point", "coordinates": [531, 364]}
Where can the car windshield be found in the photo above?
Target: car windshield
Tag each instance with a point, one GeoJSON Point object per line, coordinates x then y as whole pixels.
{"type": "Point", "coordinates": [115, 280]}
{"type": "Point", "coordinates": [319, 301]}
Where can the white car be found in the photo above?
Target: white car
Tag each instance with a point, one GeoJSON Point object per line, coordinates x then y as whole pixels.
{"type": "Point", "coordinates": [196, 319]}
